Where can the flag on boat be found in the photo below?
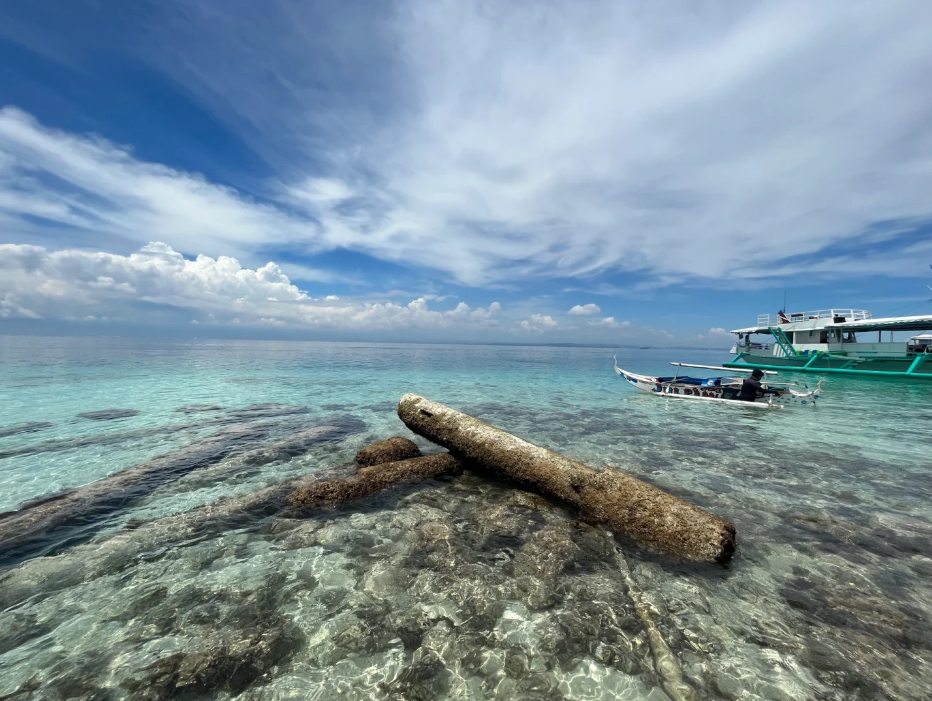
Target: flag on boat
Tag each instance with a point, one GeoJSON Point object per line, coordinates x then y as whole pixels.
{"type": "Point", "coordinates": [784, 319]}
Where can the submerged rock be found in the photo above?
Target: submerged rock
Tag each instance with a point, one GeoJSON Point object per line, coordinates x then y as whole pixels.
{"type": "Point", "coordinates": [198, 408]}
{"type": "Point", "coordinates": [32, 525]}
{"type": "Point", "coordinates": [231, 665]}
{"type": "Point", "coordinates": [266, 410]}
{"type": "Point", "coordinates": [109, 414]}
{"type": "Point", "coordinates": [27, 427]}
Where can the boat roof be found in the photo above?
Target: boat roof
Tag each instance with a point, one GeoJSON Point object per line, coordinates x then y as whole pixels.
{"type": "Point", "coordinates": [890, 323]}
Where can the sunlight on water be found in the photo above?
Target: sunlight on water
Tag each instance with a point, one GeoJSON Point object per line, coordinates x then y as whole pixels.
{"type": "Point", "coordinates": [463, 588]}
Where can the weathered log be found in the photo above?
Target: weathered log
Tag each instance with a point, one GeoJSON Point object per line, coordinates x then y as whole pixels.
{"type": "Point", "coordinates": [627, 505]}
{"type": "Point", "coordinates": [369, 480]}
{"type": "Point", "coordinates": [389, 450]}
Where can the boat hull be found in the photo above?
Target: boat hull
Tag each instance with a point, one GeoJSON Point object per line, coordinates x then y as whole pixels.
{"type": "Point", "coordinates": [716, 391]}
{"type": "Point", "coordinates": [919, 367]}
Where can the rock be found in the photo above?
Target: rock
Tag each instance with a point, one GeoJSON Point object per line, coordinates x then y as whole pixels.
{"type": "Point", "coordinates": [198, 408]}
{"type": "Point", "coordinates": [390, 450]}
{"type": "Point", "coordinates": [32, 525]}
{"type": "Point", "coordinates": [228, 665]}
{"type": "Point", "coordinates": [267, 410]}
{"type": "Point", "coordinates": [109, 414]}
{"type": "Point", "coordinates": [293, 445]}
{"type": "Point", "coordinates": [27, 427]}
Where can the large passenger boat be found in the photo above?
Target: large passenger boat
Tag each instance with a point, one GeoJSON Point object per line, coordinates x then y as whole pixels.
{"type": "Point", "coordinates": [837, 341]}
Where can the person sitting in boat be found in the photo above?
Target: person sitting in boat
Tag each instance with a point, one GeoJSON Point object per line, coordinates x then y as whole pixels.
{"type": "Point", "coordinates": [751, 387]}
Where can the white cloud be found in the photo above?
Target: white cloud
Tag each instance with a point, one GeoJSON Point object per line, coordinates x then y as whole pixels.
{"type": "Point", "coordinates": [719, 332]}
{"type": "Point", "coordinates": [501, 142]}
{"type": "Point", "coordinates": [585, 310]}
{"type": "Point", "coordinates": [678, 143]}
{"type": "Point", "coordinates": [611, 323]}
{"type": "Point", "coordinates": [538, 323]}
{"type": "Point", "coordinates": [72, 284]}
{"type": "Point", "coordinates": [91, 185]}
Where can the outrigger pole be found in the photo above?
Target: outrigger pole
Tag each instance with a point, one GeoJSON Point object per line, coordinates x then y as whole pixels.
{"type": "Point", "coordinates": [718, 367]}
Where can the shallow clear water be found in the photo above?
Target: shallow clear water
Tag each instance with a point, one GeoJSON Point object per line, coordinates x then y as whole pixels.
{"type": "Point", "coordinates": [828, 597]}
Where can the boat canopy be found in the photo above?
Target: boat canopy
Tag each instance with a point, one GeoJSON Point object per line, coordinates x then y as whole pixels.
{"type": "Point", "coordinates": [892, 323]}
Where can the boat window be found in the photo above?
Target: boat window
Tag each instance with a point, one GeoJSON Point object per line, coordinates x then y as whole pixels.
{"type": "Point", "coordinates": [823, 337]}
{"type": "Point", "coordinates": [849, 337]}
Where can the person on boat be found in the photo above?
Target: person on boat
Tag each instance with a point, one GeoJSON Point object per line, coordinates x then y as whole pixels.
{"type": "Point", "coordinates": [751, 387]}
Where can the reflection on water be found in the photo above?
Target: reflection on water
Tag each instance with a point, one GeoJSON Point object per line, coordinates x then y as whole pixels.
{"type": "Point", "coordinates": [461, 589]}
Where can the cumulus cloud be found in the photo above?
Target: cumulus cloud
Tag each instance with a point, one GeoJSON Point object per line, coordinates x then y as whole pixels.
{"type": "Point", "coordinates": [74, 284]}
{"type": "Point", "coordinates": [610, 322]}
{"type": "Point", "coordinates": [585, 310]}
{"type": "Point", "coordinates": [718, 331]}
{"type": "Point", "coordinates": [532, 139]}
{"type": "Point", "coordinates": [538, 323]}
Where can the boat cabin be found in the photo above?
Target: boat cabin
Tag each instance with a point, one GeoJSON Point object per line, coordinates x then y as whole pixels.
{"type": "Point", "coordinates": [842, 339]}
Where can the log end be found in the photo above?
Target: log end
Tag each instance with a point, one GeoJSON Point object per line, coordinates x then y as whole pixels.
{"type": "Point", "coordinates": [390, 450]}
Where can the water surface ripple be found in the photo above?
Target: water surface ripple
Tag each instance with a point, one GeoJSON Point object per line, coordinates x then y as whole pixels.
{"type": "Point", "coordinates": [460, 588]}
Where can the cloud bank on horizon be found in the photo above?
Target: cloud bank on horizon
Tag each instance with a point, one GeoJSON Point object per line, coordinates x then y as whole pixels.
{"type": "Point", "coordinates": [534, 154]}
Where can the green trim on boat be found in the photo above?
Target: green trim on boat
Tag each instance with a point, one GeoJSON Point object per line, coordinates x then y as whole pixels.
{"type": "Point", "coordinates": [911, 373]}
{"type": "Point", "coordinates": [783, 341]}
{"type": "Point", "coordinates": [920, 359]}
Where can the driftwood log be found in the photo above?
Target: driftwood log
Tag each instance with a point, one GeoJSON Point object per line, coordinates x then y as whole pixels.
{"type": "Point", "coordinates": [627, 505]}
{"type": "Point", "coordinates": [369, 480]}
{"type": "Point", "coordinates": [389, 450]}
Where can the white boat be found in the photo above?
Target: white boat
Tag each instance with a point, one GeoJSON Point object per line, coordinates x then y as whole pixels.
{"type": "Point", "coordinates": [837, 341]}
{"type": "Point", "coordinates": [722, 390]}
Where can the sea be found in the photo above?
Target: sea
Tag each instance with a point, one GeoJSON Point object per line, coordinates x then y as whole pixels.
{"type": "Point", "coordinates": [465, 587]}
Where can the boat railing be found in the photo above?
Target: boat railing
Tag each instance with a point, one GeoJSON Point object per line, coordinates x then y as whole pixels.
{"type": "Point", "coordinates": [768, 320]}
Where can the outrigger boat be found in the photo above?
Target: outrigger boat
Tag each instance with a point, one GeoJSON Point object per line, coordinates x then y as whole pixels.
{"type": "Point", "coordinates": [719, 389]}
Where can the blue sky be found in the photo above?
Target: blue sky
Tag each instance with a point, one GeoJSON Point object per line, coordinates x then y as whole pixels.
{"type": "Point", "coordinates": [644, 173]}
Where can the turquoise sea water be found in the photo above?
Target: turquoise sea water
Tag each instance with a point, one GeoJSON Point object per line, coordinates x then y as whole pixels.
{"type": "Point", "coordinates": [828, 597]}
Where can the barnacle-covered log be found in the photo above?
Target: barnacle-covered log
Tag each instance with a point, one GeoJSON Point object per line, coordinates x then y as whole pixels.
{"type": "Point", "coordinates": [627, 505]}
{"type": "Point", "coordinates": [369, 480]}
{"type": "Point", "coordinates": [389, 450]}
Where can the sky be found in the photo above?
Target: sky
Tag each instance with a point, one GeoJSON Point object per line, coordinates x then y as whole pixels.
{"type": "Point", "coordinates": [633, 172]}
